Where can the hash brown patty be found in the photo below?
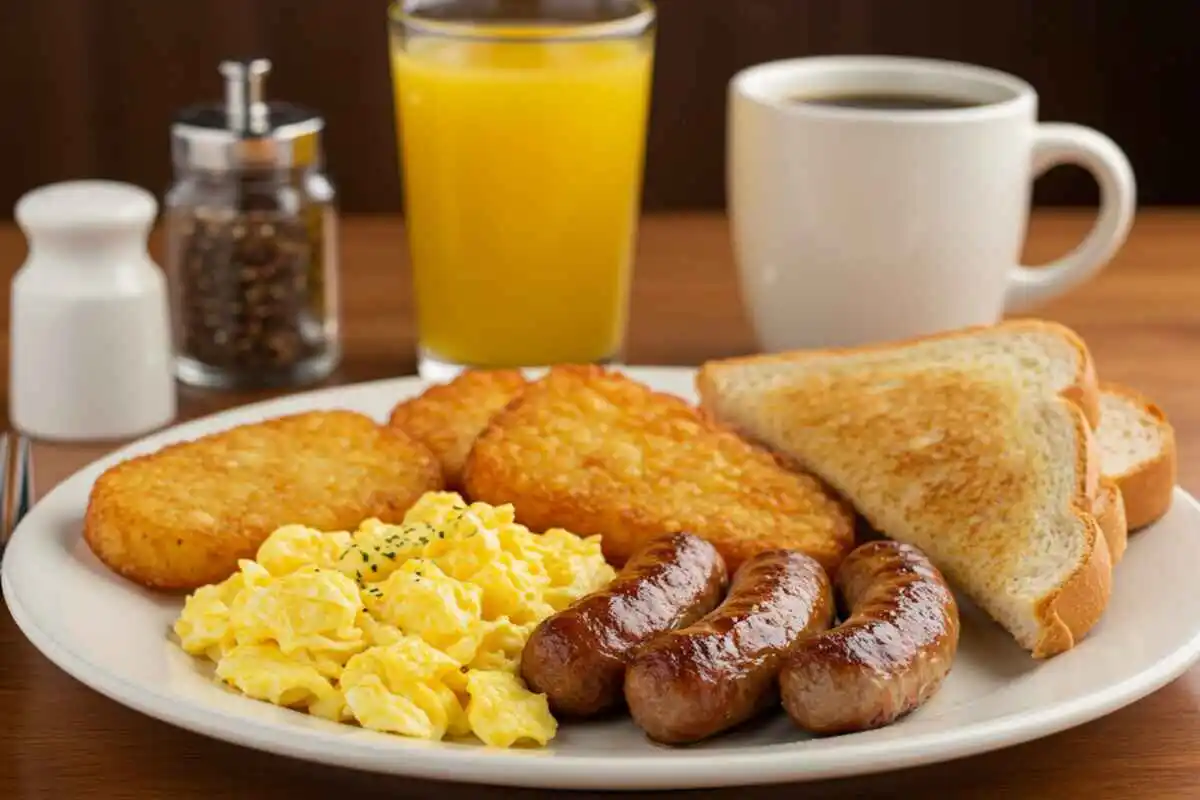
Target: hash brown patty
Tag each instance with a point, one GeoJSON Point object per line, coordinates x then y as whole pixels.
{"type": "Point", "coordinates": [183, 516]}
{"type": "Point", "coordinates": [447, 418]}
{"type": "Point", "coordinates": [593, 451]}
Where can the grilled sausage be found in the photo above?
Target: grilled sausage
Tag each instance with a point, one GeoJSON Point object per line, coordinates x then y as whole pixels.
{"type": "Point", "coordinates": [890, 655]}
{"type": "Point", "coordinates": [695, 682]}
{"type": "Point", "coordinates": [577, 657]}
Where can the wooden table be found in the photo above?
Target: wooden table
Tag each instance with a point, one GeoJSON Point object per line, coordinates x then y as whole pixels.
{"type": "Point", "coordinates": [1141, 318]}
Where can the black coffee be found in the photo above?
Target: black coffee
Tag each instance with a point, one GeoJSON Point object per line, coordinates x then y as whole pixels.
{"type": "Point", "coordinates": [887, 102]}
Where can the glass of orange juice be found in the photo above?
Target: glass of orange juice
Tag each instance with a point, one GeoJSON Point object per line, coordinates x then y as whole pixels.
{"type": "Point", "coordinates": [522, 127]}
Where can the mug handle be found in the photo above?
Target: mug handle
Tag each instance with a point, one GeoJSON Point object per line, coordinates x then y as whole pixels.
{"type": "Point", "coordinates": [1056, 144]}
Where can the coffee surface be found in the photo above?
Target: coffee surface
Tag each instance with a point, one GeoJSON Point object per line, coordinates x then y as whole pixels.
{"type": "Point", "coordinates": [886, 101]}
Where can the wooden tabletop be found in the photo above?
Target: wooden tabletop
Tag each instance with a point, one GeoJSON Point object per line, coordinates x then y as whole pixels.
{"type": "Point", "coordinates": [1141, 318]}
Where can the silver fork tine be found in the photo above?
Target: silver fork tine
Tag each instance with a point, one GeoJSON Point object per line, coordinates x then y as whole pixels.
{"type": "Point", "coordinates": [16, 483]}
{"type": "Point", "coordinates": [23, 501]}
{"type": "Point", "coordinates": [5, 491]}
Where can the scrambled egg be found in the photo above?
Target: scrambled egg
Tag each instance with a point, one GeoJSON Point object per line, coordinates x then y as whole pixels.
{"type": "Point", "coordinates": [416, 629]}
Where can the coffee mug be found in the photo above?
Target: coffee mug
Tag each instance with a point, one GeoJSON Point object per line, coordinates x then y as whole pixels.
{"type": "Point", "coordinates": [879, 198]}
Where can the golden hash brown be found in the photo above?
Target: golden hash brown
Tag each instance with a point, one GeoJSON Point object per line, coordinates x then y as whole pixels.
{"type": "Point", "coordinates": [182, 517]}
{"type": "Point", "coordinates": [595, 452]}
{"type": "Point", "coordinates": [447, 418]}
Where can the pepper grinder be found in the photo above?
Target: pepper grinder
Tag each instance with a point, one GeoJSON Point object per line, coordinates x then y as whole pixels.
{"type": "Point", "coordinates": [251, 240]}
{"type": "Point", "coordinates": [91, 348]}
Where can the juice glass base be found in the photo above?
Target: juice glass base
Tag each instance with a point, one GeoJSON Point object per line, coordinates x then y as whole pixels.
{"type": "Point", "coordinates": [438, 370]}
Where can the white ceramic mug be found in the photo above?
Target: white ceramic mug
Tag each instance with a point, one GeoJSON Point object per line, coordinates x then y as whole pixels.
{"type": "Point", "coordinates": [855, 225]}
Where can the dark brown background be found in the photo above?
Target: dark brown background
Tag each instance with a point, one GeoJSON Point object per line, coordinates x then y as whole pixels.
{"type": "Point", "coordinates": [92, 84]}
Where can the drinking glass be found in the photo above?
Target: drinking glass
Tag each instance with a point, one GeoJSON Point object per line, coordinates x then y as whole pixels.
{"type": "Point", "coordinates": [521, 127]}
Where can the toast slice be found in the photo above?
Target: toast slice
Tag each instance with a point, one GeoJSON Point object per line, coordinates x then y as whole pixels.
{"type": "Point", "coordinates": [448, 417]}
{"type": "Point", "coordinates": [1137, 452]}
{"type": "Point", "coordinates": [181, 517]}
{"type": "Point", "coordinates": [595, 452]}
{"type": "Point", "coordinates": [994, 478]}
{"type": "Point", "coordinates": [1109, 511]}
{"type": "Point", "coordinates": [1045, 354]}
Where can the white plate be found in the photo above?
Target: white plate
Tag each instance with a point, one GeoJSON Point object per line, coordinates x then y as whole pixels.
{"type": "Point", "coordinates": [112, 636]}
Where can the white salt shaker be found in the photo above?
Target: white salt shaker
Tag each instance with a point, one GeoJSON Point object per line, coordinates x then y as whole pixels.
{"type": "Point", "coordinates": [91, 350]}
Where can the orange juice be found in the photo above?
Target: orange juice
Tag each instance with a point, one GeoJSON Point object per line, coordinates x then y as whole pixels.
{"type": "Point", "coordinates": [522, 164]}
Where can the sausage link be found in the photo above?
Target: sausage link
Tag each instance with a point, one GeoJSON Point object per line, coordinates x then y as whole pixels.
{"type": "Point", "coordinates": [577, 657]}
{"type": "Point", "coordinates": [695, 682]}
{"type": "Point", "coordinates": [890, 655]}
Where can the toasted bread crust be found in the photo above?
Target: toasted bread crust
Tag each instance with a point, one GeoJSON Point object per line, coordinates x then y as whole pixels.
{"type": "Point", "coordinates": [1075, 607]}
{"type": "Point", "coordinates": [447, 418]}
{"type": "Point", "coordinates": [1148, 488]}
{"type": "Point", "coordinates": [1070, 611]}
{"type": "Point", "coordinates": [1109, 511]}
{"type": "Point", "coordinates": [1087, 459]}
{"type": "Point", "coordinates": [181, 517]}
{"type": "Point", "coordinates": [593, 451]}
{"type": "Point", "coordinates": [1084, 392]}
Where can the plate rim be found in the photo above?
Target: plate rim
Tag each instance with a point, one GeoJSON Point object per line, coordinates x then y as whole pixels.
{"type": "Point", "coordinates": [754, 766]}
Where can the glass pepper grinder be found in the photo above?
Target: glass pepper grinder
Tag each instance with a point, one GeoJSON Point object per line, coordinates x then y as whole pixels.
{"type": "Point", "coordinates": [252, 256]}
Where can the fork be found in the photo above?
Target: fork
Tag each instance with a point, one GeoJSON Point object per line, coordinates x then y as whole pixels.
{"type": "Point", "coordinates": [16, 486]}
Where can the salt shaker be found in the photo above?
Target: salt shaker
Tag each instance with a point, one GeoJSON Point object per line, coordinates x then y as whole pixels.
{"type": "Point", "coordinates": [90, 338]}
{"type": "Point", "coordinates": [251, 240]}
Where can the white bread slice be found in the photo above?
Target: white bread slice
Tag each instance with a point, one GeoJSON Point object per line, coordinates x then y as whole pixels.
{"type": "Point", "coordinates": [1109, 511]}
{"type": "Point", "coordinates": [993, 477]}
{"type": "Point", "coordinates": [1045, 354]}
{"type": "Point", "coordinates": [1137, 452]}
